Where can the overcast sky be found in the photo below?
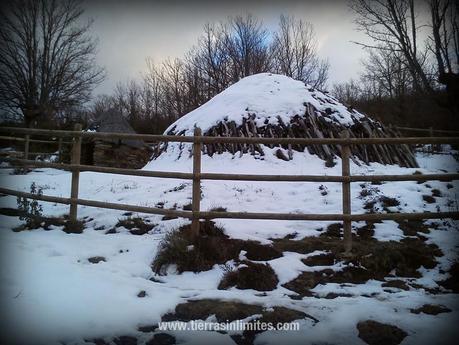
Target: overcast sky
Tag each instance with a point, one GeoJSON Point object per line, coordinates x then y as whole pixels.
{"type": "Point", "coordinates": [130, 31]}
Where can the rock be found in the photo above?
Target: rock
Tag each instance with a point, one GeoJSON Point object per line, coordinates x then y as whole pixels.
{"type": "Point", "coordinates": [376, 333]}
{"type": "Point", "coordinates": [141, 294]}
{"type": "Point", "coordinates": [96, 259]}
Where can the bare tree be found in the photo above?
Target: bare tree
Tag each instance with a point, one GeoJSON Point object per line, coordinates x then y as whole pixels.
{"type": "Point", "coordinates": [392, 24]}
{"type": "Point", "coordinates": [294, 50]}
{"type": "Point", "coordinates": [47, 62]}
{"type": "Point", "coordinates": [210, 61]}
{"type": "Point", "coordinates": [388, 73]}
{"type": "Point", "coordinates": [348, 92]}
{"type": "Point", "coordinates": [444, 38]}
{"type": "Point", "coordinates": [246, 45]}
{"type": "Point", "coordinates": [444, 43]}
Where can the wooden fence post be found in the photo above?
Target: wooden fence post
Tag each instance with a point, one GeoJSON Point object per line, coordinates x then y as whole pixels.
{"type": "Point", "coordinates": [196, 181]}
{"type": "Point", "coordinates": [76, 153]}
{"type": "Point", "coordinates": [59, 149]}
{"type": "Point", "coordinates": [345, 172]}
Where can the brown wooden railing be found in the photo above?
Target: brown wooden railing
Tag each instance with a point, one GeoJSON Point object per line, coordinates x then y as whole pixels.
{"type": "Point", "coordinates": [197, 176]}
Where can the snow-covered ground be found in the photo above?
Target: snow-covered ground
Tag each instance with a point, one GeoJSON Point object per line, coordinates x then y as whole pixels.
{"type": "Point", "coordinates": [51, 293]}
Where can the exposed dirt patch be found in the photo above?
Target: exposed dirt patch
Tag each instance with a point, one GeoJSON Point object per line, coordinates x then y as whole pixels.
{"type": "Point", "coordinates": [309, 244]}
{"type": "Point", "coordinates": [218, 209]}
{"type": "Point", "coordinates": [225, 311]}
{"type": "Point", "coordinates": [284, 315]}
{"type": "Point", "coordinates": [252, 275]}
{"type": "Point", "coordinates": [452, 283]}
{"type": "Point", "coordinates": [436, 193]}
{"type": "Point", "coordinates": [211, 247]}
{"type": "Point", "coordinates": [73, 227]}
{"type": "Point", "coordinates": [228, 311]}
{"type": "Point", "coordinates": [187, 207]}
{"type": "Point", "coordinates": [309, 280]}
{"type": "Point", "coordinates": [97, 341]}
{"type": "Point", "coordinates": [161, 339]}
{"type": "Point", "coordinates": [333, 295]}
{"type": "Point", "coordinates": [383, 200]}
{"type": "Point", "coordinates": [125, 340]}
{"type": "Point", "coordinates": [147, 328]}
{"type": "Point", "coordinates": [412, 227]}
{"type": "Point", "coordinates": [168, 218]}
{"type": "Point", "coordinates": [367, 231]}
{"type": "Point", "coordinates": [334, 230]}
{"type": "Point", "coordinates": [135, 225]}
{"type": "Point", "coordinates": [259, 252]}
{"type": "Point", "coordinates": [371, 260]}
{"type": "Point", "coordinates": [428, 199]}
{"type": "Point", "coordinates": [388, 202]}
{"type": "Point", "coordinates": [320, 260]}
{"type": "Point", "coordinates": [275, 316]}
{"type": "Point", "coordinates": [376, 333]}
{"type": "Point", "coordinates": [396, 283]}
{"type": "Point", "coordinates": [431, 309]}
{"type": "Point", "coordinates": [369, 205]}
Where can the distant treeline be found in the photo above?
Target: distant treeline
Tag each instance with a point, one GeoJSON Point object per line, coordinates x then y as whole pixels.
{"type": "Point", "coordinates": [46, 81]}
{"type": "Point", "coordinates": [224, 53]}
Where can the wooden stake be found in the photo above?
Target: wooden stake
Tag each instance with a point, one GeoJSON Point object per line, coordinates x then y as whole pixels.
{"type": "Point", "coordinates": [76, 155]}
{"type": "Point", "coordinates": [345, 154]}
{"type": "Point", "coordinates": [196, 182]}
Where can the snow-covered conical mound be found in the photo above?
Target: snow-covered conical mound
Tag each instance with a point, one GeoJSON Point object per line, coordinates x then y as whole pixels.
{"type": "Point", "coordinates": [271, 105]}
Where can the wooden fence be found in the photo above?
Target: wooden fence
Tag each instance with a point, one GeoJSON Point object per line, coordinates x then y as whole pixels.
{"type": "Point", "coordinates": [197, 176]}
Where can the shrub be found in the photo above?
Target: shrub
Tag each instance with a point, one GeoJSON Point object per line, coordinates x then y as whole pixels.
{"type": "Point", "coordinates": [252, 275]}
{"type": "Point", "coordinates": [195, 253]}
{"type": "Point", "coordinates": [136, 225]}
{"type": "Point", "coordinates": [31, 210]}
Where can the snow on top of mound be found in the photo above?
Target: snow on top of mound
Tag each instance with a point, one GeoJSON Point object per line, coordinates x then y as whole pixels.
{"type": "Point", "coordinates": [267, 96]}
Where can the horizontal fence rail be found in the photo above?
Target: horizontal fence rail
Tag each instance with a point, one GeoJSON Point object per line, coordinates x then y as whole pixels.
{"type": "Point", "coordinates": [235, 140]}
{"type": "Point", "coordinates": [197, 176]}
{"type": "Point", "coordinates": [237, 177]}
{"type": "Point", "coordinates": [427, 130]}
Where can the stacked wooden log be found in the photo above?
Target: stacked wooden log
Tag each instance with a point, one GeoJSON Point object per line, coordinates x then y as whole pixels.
{"type": "Point", "coordinates": [312, 124]}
